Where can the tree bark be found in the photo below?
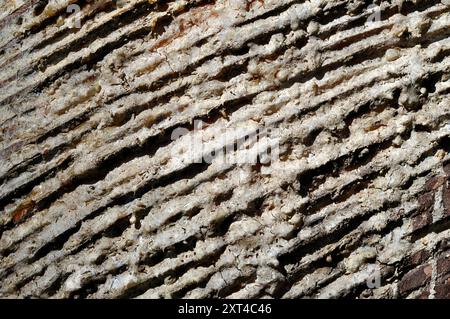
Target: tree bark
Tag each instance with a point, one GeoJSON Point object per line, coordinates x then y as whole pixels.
{"type": "Point", "coordinates": [228, 148]}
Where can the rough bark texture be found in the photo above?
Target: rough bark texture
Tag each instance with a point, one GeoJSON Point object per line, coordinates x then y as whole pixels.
{"type": "Point", "coordinates": [99, 200]}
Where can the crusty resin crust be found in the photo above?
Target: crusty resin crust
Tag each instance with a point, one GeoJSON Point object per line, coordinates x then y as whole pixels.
{"type": "Point", "coordinates": [99, 200]}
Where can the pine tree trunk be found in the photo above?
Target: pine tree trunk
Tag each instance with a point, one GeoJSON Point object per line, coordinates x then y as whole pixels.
{"type": "Point", "coordinates": [228, 148]}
